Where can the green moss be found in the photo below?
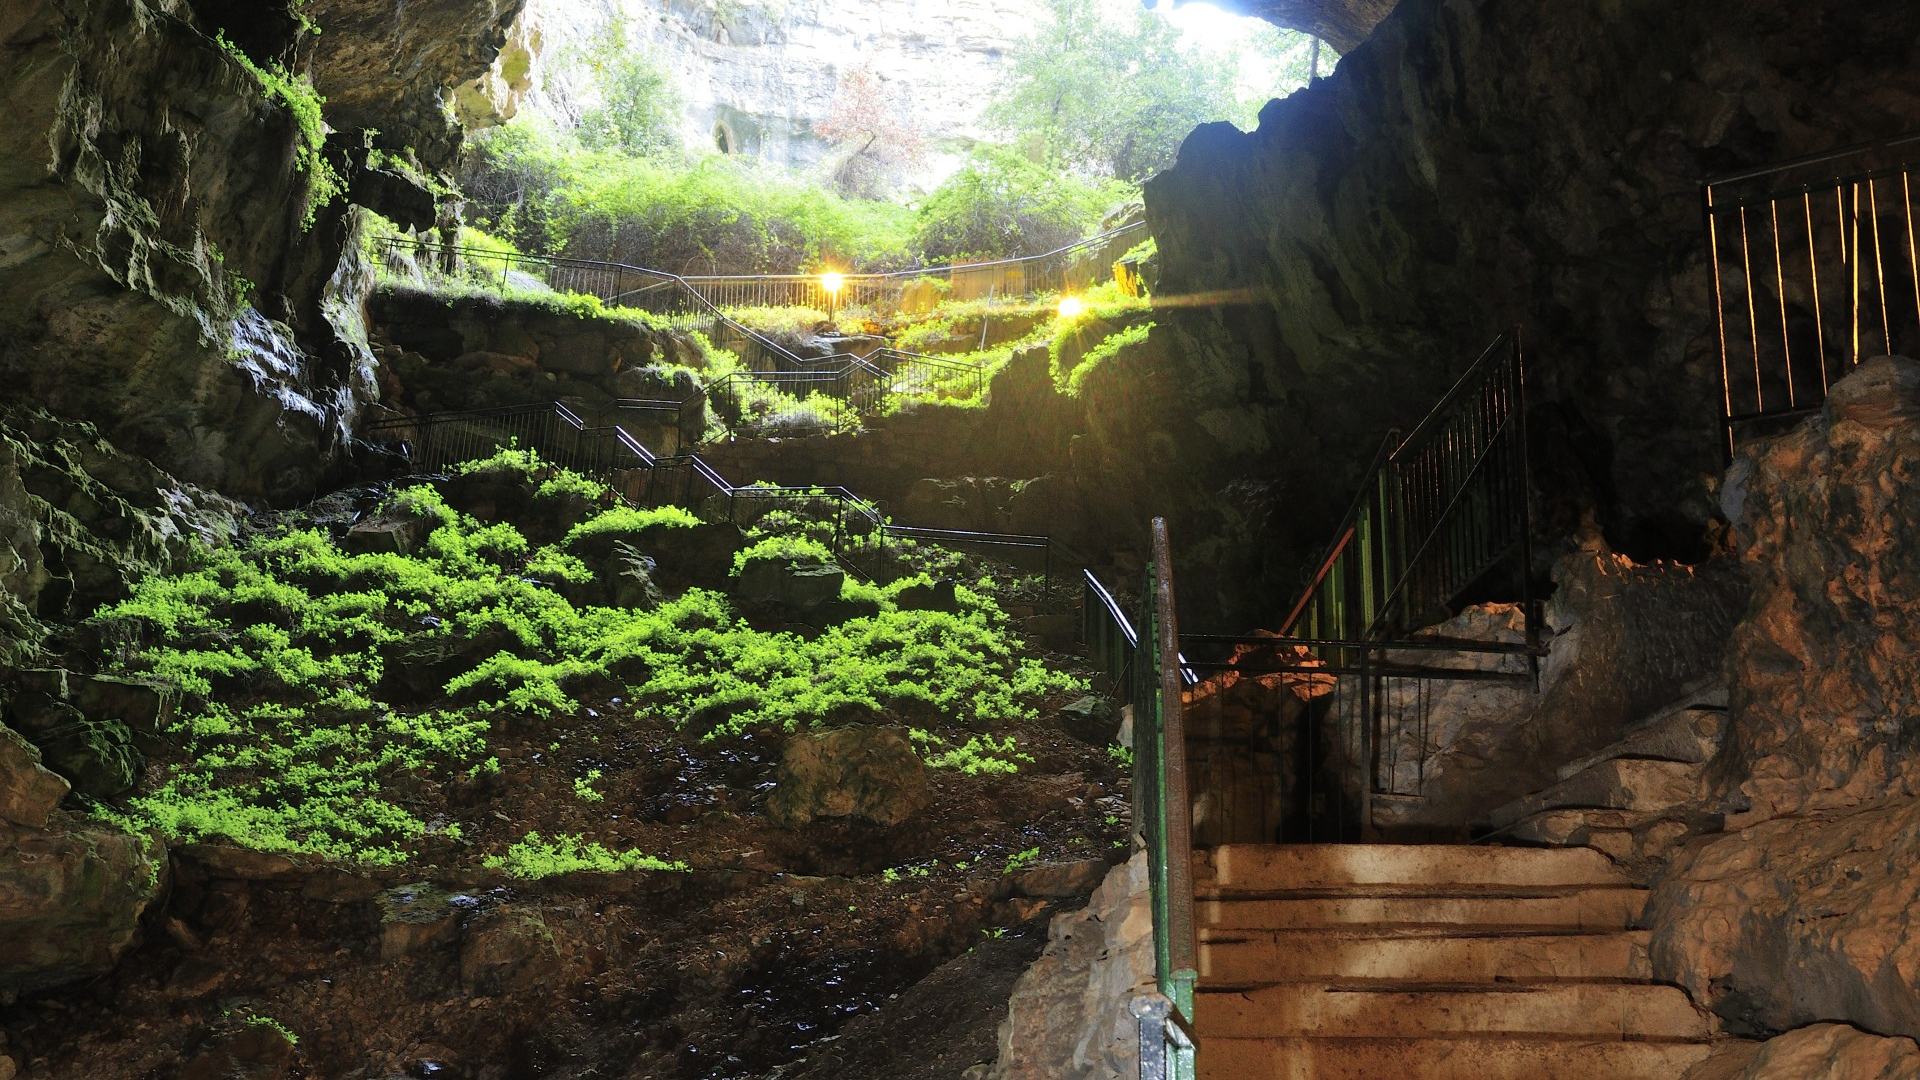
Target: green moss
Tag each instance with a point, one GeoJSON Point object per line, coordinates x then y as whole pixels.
{"type": "Point", "coordinates": [535, 857]}
{"type": "Point", "coordinates": [794, 550]}
{"type": "Point", "coordinates": [623, 520]}
{"type": "Point", "coordinates": [297, 95]}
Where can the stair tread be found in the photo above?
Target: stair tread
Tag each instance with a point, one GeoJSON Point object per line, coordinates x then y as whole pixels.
{"type": "Point", "coordinates": [1237, 868]}
{"type": "Point", "coordinates": [1473, 1057]}
{"type": "Point", "coordinates": [1348, 1010]}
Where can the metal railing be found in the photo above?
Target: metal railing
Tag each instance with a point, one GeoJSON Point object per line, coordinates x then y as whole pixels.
{"type": "Point", "coordinates": [1145, 669]}
{"type": "Point", "coordinates": [1366, 731]}
{"type": "Point", "coordinates": [859, 532]}
{"type": "Point", "coordinates": [1816, 266]}
{"type": "Point", "coordinates": [839, 391]}
{"type": "Point", "coordinates": [1438, 511]}
{"type": "Point", "coordinates": [692, 299]}
{"type": "Point", "coordinates": [1061, 270]}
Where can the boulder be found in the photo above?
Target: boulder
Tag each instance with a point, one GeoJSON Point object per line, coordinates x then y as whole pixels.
{"type": "Point", "coordinates": [1825, 669]}
{"type": "Point", "coordinates": [794, 586]}
{"type": "Point", "coordinates": [508, 949]}
{"type": "Point", "coordinates": [928, 596]}
{"type": "Point", "coordinates": [1068, 1019]}
{"type": "Point", "coordinates": [419, 916]}
{"type": "Point", "coordinates": [1819, 1052]}
{"type": "Point", "coordinates": [868, 773]}
{"type": "Point", "coordinates": [28, 791]}
{"type": "Point", "coordinates": [254, 1049]}
{"type": "Point", "coordinates": [1091, 719]}
{"type": "Point", "coordinates": [1060, 880]}
{"type": "Point", "coordinates": [70, 901]}
{"type": "Point", "coordinates": [1798, 920]}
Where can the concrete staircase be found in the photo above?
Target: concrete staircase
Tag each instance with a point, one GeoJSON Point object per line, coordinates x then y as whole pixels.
{"type": "Point", "coordinates": [1364, 962]}
{"type": "Point", "coordinates": [1631, 799]}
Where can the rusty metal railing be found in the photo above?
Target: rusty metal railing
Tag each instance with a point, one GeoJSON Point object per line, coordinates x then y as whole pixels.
{"type": "Point", "coordinates": [1816, 266]}
{"type": "Point", "coordinates": [1438, 510]}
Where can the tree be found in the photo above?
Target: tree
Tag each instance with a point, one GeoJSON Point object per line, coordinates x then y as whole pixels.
{"type": "Point", "coordinates": [1002, 204]}
{"type": "Point", "coordinates": [1111, 94]}
{"type": "Point", "coordinates": [638, 104]}
{"type": "Point", "coordinates": [873, 141]}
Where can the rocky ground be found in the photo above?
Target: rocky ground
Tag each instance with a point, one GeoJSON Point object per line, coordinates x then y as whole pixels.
{"type": "Point", "coordinates": [614, 887]}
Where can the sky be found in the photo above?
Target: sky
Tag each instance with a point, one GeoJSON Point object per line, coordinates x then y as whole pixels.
{"type": "Point", "coordinates": [1206, 26]}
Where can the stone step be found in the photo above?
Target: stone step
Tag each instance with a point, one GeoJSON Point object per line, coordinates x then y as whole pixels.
{"type": "Point", "coordinates": [1581, 909]}
{"type": "Point", "coordinates": [1637, 784]}
{"type": "Point", "coordinates": [1269, 869]}
{"type": "Point", "coordinates": [1244, 958]}
{"type": "Point", "coordinates": [1446, 1059]}
{"type": "Point", "coordinates": [1691, 734]}
{"type": "Point", "coordinates": [1597, 1010]}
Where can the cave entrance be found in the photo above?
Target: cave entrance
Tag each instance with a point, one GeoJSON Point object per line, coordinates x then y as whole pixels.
{"type": "Point", "coordinates": [724, 139]}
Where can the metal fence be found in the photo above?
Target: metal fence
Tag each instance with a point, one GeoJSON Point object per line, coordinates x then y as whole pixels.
{"type": "Point", "coordinates": [1438, 510]}
{"type": "Point", "coordinates": [1144, 669]}
{"type": "Point", "coordinates": [1816, 266]}
{"type": "Point", "coordinates": [691, 300]}
{"type": "Point", "coordinates": [841, 391]}
{"type": "Point", "coordinates": [858, 532]}
{"type": "Point", "coordinates": [1360, 715]}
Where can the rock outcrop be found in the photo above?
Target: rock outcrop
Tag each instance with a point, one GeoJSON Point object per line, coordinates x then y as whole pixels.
{"type": "Point", "coordinates": [1469, 167]}
{"type": "Point", "coordinates": [1068, 1019]}
{"type": "Point", "coordinates": [1826, 666]}
{"type": "Point", "coordinates": [1820, 1052]}
{"type": "Point", "coordinates": [1343, 24]}
{"type": "Point", "coordinates": [71, 896]}
{"type": "Point", "coordinates": [755, 77]}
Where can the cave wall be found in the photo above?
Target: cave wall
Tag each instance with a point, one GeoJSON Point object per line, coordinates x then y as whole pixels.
{"type": "Point", "coordinates": [1475, 164]}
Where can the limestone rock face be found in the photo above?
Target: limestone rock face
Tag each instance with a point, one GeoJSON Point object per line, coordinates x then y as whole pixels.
{"type": "Point", "coordinates": [1068, 1019]}
{"type": "Point", "coordinates": [867, 773]}
{"type": "Point", "coordinates": [70, 900]}
{"type": "Point", "coordinates": [1340, 23]}
{"type": "Point", "coordinates": [1819, 1052]}
{"type": "Point", "coordinates": [1456, 176]}
{"type": "Point", "coordinates": [755, 77]}
{"type": "Point", "coordinates": [1826, 666]}
{"type": "Point", "coordinates": [1798, 920]}
{"type": "Point", "coordinates": [157, 276]}
{"type": "Point", "coordinates": [28, 791]}
{"type": "Point", "coordinates": [439, 43]}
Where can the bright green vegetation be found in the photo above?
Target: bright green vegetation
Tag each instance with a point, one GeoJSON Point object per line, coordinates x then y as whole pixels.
{"type": "Point", "coordinates": [534, 858]}
{"type": "Point", "coordinates": [297, 95]}
{"type": "Point", "coordinates": [1020, 860]}
{"type": "Point", "coordinates": [789, 549]}
{"type": "Point", "coordinates": [1110, 88]}
{"type": "Point", "coordinates": [1002, 204]}
{"type": "Point", "coordinates": [1108, 347]}
{"type": "Point", "coordinates": [545, 190]}
{"type": "Point", "coordinates": [322, 686]}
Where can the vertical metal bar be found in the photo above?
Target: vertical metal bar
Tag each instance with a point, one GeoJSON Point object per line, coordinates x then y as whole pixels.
{"type": "Point", "coordinates": [1780, 294]}
{"type": "Point", "coordinates": [1913, 247]}
{"type": "Point", "coordinates": [1879, 262]}
{"type": "Point", "coordinates": [1813, 270]}
{"type": "Point", "coordinates": [1178, 807]}
{"type": "Point", "coordinates": [1753, 324]}
{"type": "Point", "coordinates": [1854, 227]}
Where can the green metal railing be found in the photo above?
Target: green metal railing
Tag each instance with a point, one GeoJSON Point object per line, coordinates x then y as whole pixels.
{"type": "Point", "coordinates": [1145, 668]}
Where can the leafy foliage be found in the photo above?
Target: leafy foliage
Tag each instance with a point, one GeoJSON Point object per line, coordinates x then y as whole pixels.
{"type": "Point", "coordinates": [1110, 89]}
{"type": "Point", "coordinates": [1002, 204]}
{"type": "Point", "coordinates": [535, 857]}
{"type": "Point", "coordinates": [873, 141]}
{"type": "Point", "coordinates": [322, 685]}
{"type": "Point", "coordinates": [296, 94]}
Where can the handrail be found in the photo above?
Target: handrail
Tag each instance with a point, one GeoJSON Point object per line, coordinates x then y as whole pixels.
{"type": "Point", "coordinates": [1412, 504]}
{"type": "Point", "coordinates": [640, 457]}
{"type": "Point", "coordinates": [1163, 803]}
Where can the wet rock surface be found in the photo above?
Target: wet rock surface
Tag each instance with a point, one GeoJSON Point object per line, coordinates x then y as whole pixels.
{"type": "Point", "coordinates": [870, 774]}
{"type": "Point", "coordinates": [1820, 1052]}
{"type": "Point", "coordinates": [1381, 227]}
{"type": "Point", "coordinates": [1824, 667]}
{"type": "Point", "coordinates": [71, 897]}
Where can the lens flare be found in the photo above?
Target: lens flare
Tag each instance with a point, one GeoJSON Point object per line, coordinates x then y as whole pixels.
{"type": "Point", "coordinates": [1072, 307]}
